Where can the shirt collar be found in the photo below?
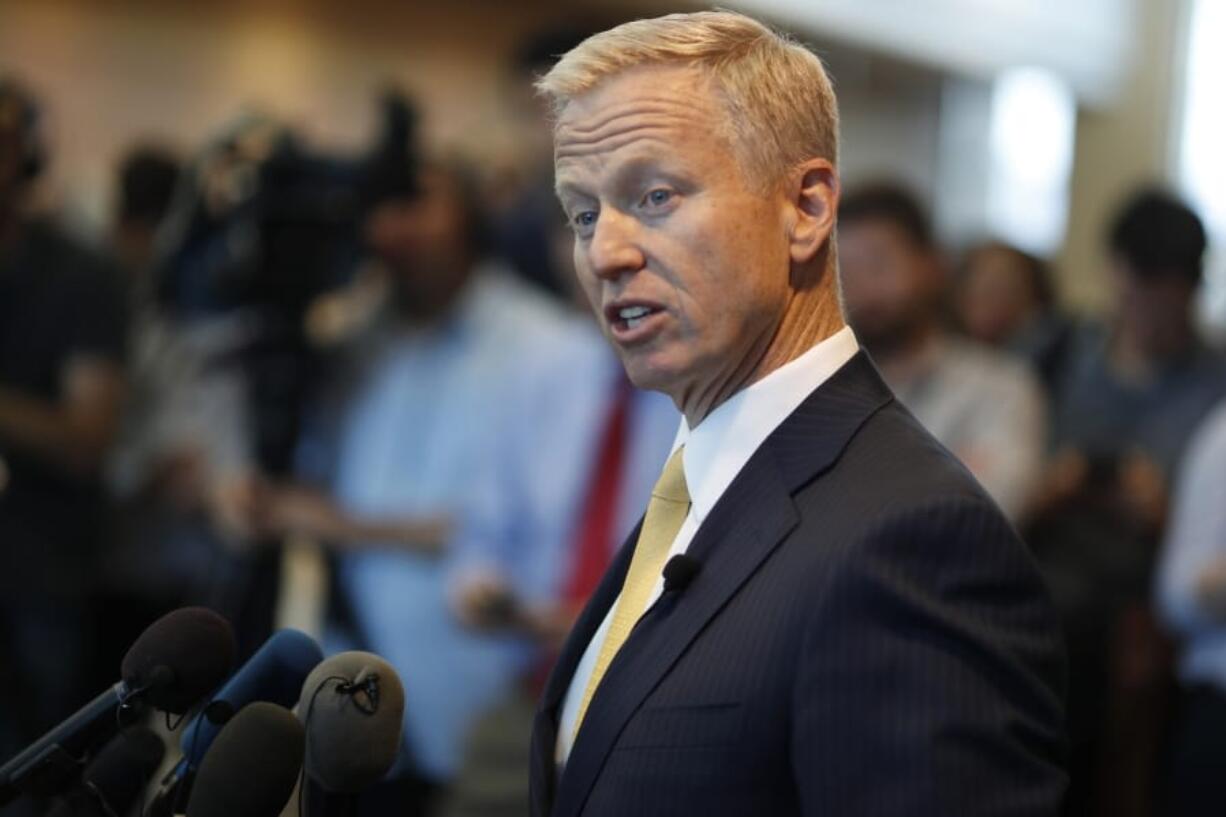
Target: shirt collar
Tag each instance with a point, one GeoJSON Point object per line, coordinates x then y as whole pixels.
{"type": "Point", "coordinates": [717, 449]}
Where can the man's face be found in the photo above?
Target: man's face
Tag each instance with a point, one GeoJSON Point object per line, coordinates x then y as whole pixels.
{"type": "Point", "coordinates": [1155, 311]}
{"type": "Point", "coordinates": [887, 282]}
{"type": "Point", "coordinates": [685, 267]}
{"type": "Point", "coordinates": [423, 242]}
{"type": "Point", "coordinates": [996, 298]}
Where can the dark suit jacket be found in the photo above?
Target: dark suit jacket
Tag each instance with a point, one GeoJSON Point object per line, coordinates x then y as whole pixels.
{"type": "Point", "coordinates": [867, 637]}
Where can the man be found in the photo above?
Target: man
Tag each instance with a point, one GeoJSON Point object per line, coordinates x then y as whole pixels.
{"type": "Point", "coordinates": [853, 628]}
{"type": "Point", "coordinates": [1144, 381]}
{"type": "Point", "coordinates": [439, 384]}
{"type": "Point", "coordinates": [61, 389]}
{"type": "Point", "coordinates": [984, 406]}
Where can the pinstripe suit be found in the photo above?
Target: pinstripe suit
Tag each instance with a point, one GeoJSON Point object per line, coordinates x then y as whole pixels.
{"type": "Point", "coordinates": [867, 636]}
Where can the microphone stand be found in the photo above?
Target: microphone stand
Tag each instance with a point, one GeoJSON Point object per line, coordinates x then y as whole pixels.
{"type": "Point", "coordinates": [45, 765]}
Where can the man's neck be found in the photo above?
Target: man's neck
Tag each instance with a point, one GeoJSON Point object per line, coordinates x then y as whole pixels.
{"type": "Point", "coordinates": [1137, 361]}
{"type": "Point", "coordinates": [811, 318]}
{"type": "Point", "coordinates": [419, 312]}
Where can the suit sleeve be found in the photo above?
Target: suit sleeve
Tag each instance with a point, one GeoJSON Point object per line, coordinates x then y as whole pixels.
{"type": "Point", "coordinates": [932, 673]}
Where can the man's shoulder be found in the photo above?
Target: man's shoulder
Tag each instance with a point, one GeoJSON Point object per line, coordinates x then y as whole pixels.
{"type": "Point", "coordinates": [895, 449]}
{"type": "Point", "coordinates": [896, 502]}
{"type": "Point", "coordinates": [891, 467]}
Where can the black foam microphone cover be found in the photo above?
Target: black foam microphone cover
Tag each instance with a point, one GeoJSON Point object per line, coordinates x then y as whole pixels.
{"type": "Point", "coordinates": [180, 658]}
{"type": "Point", "coordinates": [115, 778]}
{"type": "Point", "coordinates": [252, 766]}
{"type": "Point", "coordinates": [353, 708]}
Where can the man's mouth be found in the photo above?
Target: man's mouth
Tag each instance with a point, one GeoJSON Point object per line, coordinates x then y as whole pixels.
{"type": "Point", "coordinates": [630, 320]}
{"type": "Point", "coordinates": [632, 316]}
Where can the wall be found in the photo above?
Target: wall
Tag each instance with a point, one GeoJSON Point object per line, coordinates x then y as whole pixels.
{"type": "Point", "coordinates": [113, 73]}
{"type": "Point", "coordinates": [117, 72]}
{"type": "Point", "coordinates": [1088, 42]}
{"type": "Point", "coordinates": [1119, 148]}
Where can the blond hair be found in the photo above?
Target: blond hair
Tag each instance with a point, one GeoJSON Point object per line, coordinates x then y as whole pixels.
{"type": "Point", "coordinates": [780, 105]}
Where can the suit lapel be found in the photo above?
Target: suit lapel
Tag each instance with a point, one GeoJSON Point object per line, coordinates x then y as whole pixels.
{"type": "Point", "coordinates": [748, 522]}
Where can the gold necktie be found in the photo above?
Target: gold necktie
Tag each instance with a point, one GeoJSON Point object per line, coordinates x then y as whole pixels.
{"type": "Point", "coordinates": [669, 505]}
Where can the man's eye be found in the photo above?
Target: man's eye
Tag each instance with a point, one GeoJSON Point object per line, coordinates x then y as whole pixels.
{"type": "Point", "coordinates": [584, 219]}
{"type": "Point", "coordinates": [659, 196]}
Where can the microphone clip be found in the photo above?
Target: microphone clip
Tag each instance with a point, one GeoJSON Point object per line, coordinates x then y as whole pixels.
{"type": "Point", "coordinates": [364, 690]}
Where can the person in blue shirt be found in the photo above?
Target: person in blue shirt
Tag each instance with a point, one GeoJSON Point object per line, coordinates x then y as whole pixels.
{"type": "Point", "coordinates": [444, 377]}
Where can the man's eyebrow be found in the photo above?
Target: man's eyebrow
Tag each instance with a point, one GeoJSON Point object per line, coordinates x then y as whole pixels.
{"type": "Point", "coordinates": [564, 188]}
{"type": "Point", "coordinates": [629, 173]}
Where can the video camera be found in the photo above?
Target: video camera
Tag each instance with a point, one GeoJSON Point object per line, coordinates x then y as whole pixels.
{"type": "Point", "coordinates": [261, 227]}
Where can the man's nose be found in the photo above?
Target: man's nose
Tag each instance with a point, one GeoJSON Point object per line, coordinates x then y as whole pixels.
{"type": "Point", "coordinates": [614, 250]}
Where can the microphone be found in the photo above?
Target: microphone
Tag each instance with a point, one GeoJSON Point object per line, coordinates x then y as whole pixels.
{"type": "Point", "coordinates": [274, 674]}
{"type": "Point", "coordinates": [252, 766]}
{"type": "Point", "coordinates": [352, 706]}
{"type": "Point", "coordinates": [679, 572]}
{"type": "Point", "coordinates": [114, 779]}
{"type": "Point", "coordinates": [174, 663]}
{"type": "Point", "coordinates": [180, 658]}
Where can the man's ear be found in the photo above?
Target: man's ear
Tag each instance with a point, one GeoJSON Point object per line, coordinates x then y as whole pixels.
{"type": "Point", "coordinates": [814, 195]}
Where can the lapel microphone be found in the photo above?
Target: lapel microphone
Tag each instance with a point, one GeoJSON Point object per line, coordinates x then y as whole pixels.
{"type": "Point", "coordinates": [679, 572]}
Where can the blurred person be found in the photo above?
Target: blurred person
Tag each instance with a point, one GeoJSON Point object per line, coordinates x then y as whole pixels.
{"type": "Point", "coordinates": [853, 597]}
{"type": "Point", "coordinates": [61, 392]}
{"type": "Point", "coordinates": [1004, 297]}
{"type": "Point", "coordinates": [414, 411]}
{"type": "Point", "coordinates": [147, 178]}
{"type": "Point", "coordinates": [183, 426]}
{"type": "Point", "coordinates": [984, 406]}
{"type": "Point", "coordinates": [262, 227]}
{"type": "Point", "coordinates": [1132, 392]}
{"type": "Point", "coordinates": [538, 541]}
{"type": "Point", "coordinates": [1142, 381]}
{"type": "Point", "coordinates": [1191, 597]}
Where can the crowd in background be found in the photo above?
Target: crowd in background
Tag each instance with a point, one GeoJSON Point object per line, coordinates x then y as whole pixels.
{"type": "Point", "coordinates": [416, 390]}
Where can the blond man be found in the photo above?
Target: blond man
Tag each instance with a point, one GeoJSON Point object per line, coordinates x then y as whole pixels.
{"type": "Point", "coordinates": [821, 612]}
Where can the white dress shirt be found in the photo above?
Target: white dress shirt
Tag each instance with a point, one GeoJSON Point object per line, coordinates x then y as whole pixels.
{"type": "Point", "coordinates": [715, 452]}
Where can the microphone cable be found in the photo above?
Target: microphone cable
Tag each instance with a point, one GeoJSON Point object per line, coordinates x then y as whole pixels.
{"type": "Point", "coordinates": [367, 685]}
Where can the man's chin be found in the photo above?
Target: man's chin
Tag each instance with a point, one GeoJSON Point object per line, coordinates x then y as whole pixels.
{"type": "Point", "coordinates": [648, 374]}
